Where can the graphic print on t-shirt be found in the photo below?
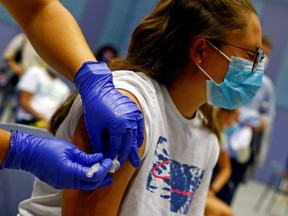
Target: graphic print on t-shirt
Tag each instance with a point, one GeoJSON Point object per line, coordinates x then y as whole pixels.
{"type": "Point", "coordinates": [172, 180]}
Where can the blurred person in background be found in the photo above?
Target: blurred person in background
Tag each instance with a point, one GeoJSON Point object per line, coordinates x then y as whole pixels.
{"type": "Point", "coordinates": [222, 171]}
{"type": "Point", "coordinates": [239, 139]}
{"type": "Point", "coordinates": [106, 53]}
{"type": "Point", "coordinates": [12, 57]}
{"type": "Point", "coordinates": [41, 92]}
{"type": "Point", "coordinates": [19, 55]}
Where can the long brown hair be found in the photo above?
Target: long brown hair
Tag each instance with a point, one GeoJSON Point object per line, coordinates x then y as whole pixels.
{"type": "Point", "coordinates": [60, 114]}
{"type": "Point", "coordinates": [159, 45]}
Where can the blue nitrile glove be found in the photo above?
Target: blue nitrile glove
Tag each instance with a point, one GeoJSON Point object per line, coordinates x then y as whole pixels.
{"type": "Point", "coordinates": [56, 162]}
{"type": "Point", "coordinates": [106, 109]}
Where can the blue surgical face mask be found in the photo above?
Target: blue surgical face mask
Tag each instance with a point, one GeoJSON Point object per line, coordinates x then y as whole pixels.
{"type": "Point", "coordinates": [239, 86]}
{"type": "Point", "coordinates": [230, 130]}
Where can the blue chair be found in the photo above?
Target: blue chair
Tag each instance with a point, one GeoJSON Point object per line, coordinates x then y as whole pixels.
{"type": "Point", "coordinates": [16, 185]}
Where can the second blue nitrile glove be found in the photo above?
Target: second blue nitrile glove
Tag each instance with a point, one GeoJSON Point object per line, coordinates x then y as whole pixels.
{"type": "Point", "coordinates": [105, 108]}
{"type": "Point", "coordinates": [56, 162]}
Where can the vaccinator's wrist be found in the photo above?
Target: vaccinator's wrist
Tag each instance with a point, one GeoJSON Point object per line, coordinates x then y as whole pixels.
{"type": "Point", "coordinates": [91, 70]}
{"type": "Point", "coordinates": [4, 145]}
{"type": "Point", "coordinates": [14, 157]}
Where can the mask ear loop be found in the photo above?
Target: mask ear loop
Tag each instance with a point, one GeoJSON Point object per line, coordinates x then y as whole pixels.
{"type": "Point", "coordinates": [219, 51]}
{"type": "Point", "coordinates": [200, 68]}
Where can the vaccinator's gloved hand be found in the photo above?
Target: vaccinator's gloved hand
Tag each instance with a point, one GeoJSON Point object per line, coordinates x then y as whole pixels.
{"type": "Point", "coordinates": [106, 109]}
{"type": "Point", "coordinates": [56, 162]}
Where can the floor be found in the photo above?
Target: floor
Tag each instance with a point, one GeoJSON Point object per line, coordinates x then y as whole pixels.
{"type": "Point", "coordinates": [248, 195]}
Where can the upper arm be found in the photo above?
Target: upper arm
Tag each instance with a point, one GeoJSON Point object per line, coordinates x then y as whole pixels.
{"type": "Point", "coordinates": [224, 173]}
{"type": "Point", "coordinates": [24, 11]}
{"type": "Point", "coordinates": [224, 160]}
{"type": "Point", "coordinates": [102, 201]}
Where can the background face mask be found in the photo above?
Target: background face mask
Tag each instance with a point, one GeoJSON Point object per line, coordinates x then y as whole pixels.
{"type": "Point", "coordinates": [230, 130]}
{"type": "Point", "coordinates": [239, 86]}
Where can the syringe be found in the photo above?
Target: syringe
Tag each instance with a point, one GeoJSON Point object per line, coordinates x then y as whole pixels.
{"type": "Point", "coordinates": [95, 167]}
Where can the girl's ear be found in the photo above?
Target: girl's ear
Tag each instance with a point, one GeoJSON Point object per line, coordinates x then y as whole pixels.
{"type": "Point", "coordinates": [197, 50]}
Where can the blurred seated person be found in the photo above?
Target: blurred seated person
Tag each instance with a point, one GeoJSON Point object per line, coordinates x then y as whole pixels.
{"type": "Point", "coordinates": [20, 55]}
{"type": "Point", "coordinates": [239, 138]}
{"type": "Point", "coordinates": [41, 92]}
{"type": "Point", "coordinates": [222, 171]}
{"type": "Point", "coordinates": [106, 53]}
{"type": "Point", "coordinates": [14, 52]}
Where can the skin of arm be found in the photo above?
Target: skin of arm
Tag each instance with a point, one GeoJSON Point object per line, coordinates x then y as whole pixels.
{"type": "Point", "coordinates": [214, 205]}
{"type": "Point", "coordinates": [25, 98]}
{"type": "Point", "coordinates": [102, 201]}
{"type": "Point", "coordinates": [53, 32]}
{"type": "Point", "coordinates": [5, 144]}
{"type": "Point", "coordinates": [224, 173]}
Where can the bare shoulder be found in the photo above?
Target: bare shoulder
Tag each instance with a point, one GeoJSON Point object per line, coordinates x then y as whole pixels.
{"type": "Point", "coordinates": [102, 201]}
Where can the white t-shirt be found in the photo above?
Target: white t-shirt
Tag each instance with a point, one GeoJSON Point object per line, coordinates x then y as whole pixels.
{"type": "Point", "coordinates": [48, 92]}
{"type": "Point", "coordinates": [176, 168]}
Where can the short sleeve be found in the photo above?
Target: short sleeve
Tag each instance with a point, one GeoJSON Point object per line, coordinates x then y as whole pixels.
{"type": "Point", "coordinates": [143, 91]}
